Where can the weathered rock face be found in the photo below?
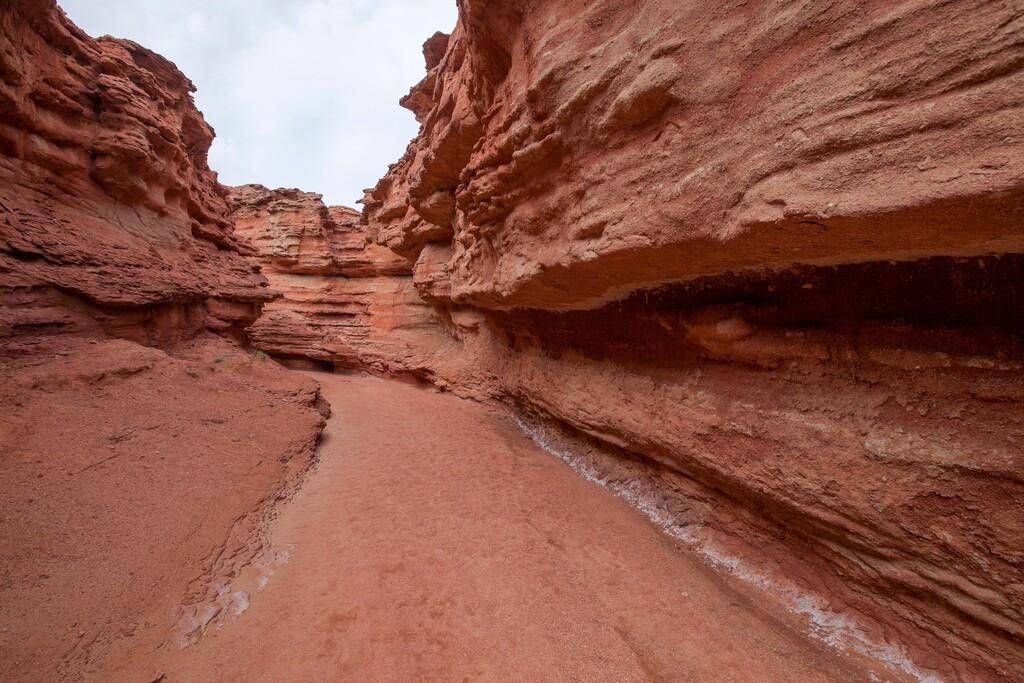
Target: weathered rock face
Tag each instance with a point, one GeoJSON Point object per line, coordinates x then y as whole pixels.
{"type": "Point", "coordinates": [572, 153]}
{"type": "Point", "coordinates": [766, 260]}
{"type": "Point", "coordinates": [111, 222]}
{"type": "Point", "coordinates": [759, 265]}
{"type": "Point", "coordinates": [135, 482]}
{"type": "Point", "coordinates": [347, 302]}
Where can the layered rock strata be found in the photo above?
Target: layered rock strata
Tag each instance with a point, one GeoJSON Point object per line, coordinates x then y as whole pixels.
{"type": "Point", "coordinates": [764, 258]}
{"type": "Point", "coordinates": [111, 222]}
{"type": "Point", "coordinates": [346, 301]}
{"type": "Point", "coordinates": [571, 154]}
{"type": "Point", "coordinates": [759, 266]}
{"type": "Point", "coordinates": [136, 474]}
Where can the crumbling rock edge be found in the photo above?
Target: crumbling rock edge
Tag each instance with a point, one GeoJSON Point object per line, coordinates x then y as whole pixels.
{"type": "Point", "coordinates": [216, 596]}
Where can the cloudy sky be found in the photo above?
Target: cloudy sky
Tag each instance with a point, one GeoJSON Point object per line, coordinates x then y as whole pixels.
{"type": "Point", "coordinates": [302, 93]}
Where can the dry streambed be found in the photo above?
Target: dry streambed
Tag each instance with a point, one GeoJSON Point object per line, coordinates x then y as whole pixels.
{"type": "Point", "coordinates": [435, 541]}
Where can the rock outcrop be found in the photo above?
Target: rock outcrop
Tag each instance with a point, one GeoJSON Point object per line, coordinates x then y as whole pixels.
{"type": "Point", "coordinates": [138, 473]}
{"type": "Point", "coordinates": [758, 267]}
{"type": "Point", "coordinates": [347, 302]}
{"type": "Point", "coordinates": [765, 262]}
{"type": "Point", "coordinates": [572, 154]}
{"type": "Point", "coordinates": [111, 222]}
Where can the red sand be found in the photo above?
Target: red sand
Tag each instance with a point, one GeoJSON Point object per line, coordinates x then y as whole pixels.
{"type": "Point", "coordinates": [435, 542]}
{"type": "Point", "coordinates": [132, 481]}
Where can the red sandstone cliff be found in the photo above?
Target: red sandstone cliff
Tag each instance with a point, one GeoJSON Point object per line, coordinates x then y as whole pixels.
{"type": "Point", "coordinates": [111, 222]}
{"type": "Point", "coordinates": [765, 258]}
{"type": "Point", "coordinates": [759, 267]}
{"type": "Point", "coordinates": [134, 482]}
{"type": "Point", "coordinates": [573, 153]}
{"type": "Point", "coordinates": [347, 302]}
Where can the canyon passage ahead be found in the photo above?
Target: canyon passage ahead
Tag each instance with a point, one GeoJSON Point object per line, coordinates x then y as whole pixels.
{"type": "Point", "coordinates": [682, 344]}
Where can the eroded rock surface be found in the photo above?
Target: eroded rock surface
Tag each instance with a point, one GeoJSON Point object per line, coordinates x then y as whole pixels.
{"type": "Point", "coordinates": [137, 474]}
{"type": "Point", "coordinates": [347, 302]}
{"type": "Point", "coordinates": [765, 259]}
{"type": "Point", "coordinates": [572, 153]}
{"type": "Point", "coordinates": [111, 222]}
{"type": "Point", "coordinates": [756, 266]}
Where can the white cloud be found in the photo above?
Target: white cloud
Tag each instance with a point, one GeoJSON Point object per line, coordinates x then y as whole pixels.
{"type": "Point", "coordinates": [302, 93]}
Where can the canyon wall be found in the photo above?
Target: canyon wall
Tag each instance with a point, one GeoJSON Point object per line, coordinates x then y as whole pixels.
{"type": "Point", "coordinates": [111, 222]}
{"type": "Point", "coordinates": [347, 302]}
{"type": "Point", "coordinates": [142, 449]}
{"type": "Point", "coordinates": [763, 260]}
{"type": "Point", "coordinates": [758, 266]}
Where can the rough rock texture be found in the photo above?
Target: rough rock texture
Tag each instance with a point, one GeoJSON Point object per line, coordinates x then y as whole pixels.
{"type": "Point", "coordinates": [571, 153]}
{"type": "Point", "coordinates": [135, 482]}
{"type": "Point", "coordinates": [758, 265]}
{"type": "Point", "coordinates": [347, 302]}
{"type": "Point", "coordinates": [111, 222]}
{"type": "Point", "coordinates": [765, 259]}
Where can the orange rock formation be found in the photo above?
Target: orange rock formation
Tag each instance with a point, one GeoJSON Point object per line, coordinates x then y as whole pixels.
{"type": "Point", "coordinates": [346, 302]}
{"type": "Point", "coordinates": [765, 259]}
{"type": "Point", "coordinates": [758, 267]}
{"type": "Point", "coordinates": [112, 222]}
{"type": "Point", "coordinates": [136, 481]}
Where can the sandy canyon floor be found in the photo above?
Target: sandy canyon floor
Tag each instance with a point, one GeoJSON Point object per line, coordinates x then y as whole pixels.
{"type": "Point", "coordinates": [433, 541]}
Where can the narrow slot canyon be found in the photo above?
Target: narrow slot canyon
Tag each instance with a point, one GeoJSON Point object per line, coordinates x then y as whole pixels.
{"type": "Point", "coordinates": [683, 343]}
{"type": "Point", "coordinates": [442, 548]}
